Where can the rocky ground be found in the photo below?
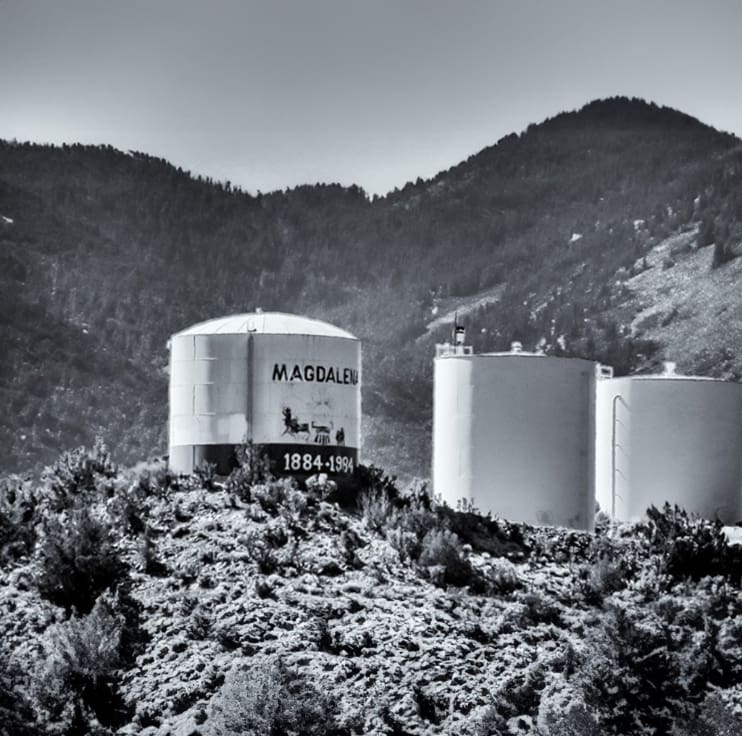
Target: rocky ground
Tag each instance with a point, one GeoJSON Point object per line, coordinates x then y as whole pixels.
{"type": "Point", "coordinates": [390, 619]}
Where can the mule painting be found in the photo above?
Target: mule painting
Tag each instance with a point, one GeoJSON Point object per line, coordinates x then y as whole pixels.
{"type": "Point", "coordinates": [292, 425]}
{"type": "Point", "coordinates": [322, 432]}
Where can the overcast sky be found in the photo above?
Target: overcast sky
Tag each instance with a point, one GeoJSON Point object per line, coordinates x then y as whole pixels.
{"type": "Point", "coordinates": [273, 93]}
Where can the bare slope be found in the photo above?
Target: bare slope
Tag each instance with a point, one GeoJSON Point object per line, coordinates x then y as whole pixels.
{"type": "Point", "coordinates": [694, 311]}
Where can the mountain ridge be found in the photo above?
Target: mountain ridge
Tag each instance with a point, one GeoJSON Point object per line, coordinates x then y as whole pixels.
{"type": "Point", "coordinates": [110, 253]}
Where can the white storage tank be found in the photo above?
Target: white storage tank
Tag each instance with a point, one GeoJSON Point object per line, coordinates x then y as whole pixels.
{"type": "Point", "coordinates": [669, 438]}
{"type": "Point", "coordinates": [514, 434]}
{"type": "Point", "coordinates": [285, 382]}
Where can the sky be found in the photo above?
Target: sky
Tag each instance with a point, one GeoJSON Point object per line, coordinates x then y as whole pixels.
{"type": "Point", "coordinates": [270, 94]}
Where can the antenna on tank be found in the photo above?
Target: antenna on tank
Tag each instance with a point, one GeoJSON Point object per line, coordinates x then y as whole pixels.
{"type": "Point", "coordinates": [458, 338]}
{"type": "Point", "coordinates": [459, 334]}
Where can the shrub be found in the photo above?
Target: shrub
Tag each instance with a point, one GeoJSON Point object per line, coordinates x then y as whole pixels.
{"type": "Point", "coordinates": [442, 549]}
{"type": "Point", "coordinates": [265, 696]}
{"type": "Point", "coordinates": [320, 488]}
{"type": "Point", "coordinates": [487, 721]}
{"type": "Point", "coordinates": [603, 577]}
{"type": "Point", "coordinates": [417, 516]}
{"type": "Point", "coordinates": [518, 694]}
{"type": "Point", "coordinates": [154, 479]}
{"type": "Point", "coordinates": [135, 494]}
{"type": "Point", "coordinates": [495, 536]}
{"type": "Point", "coordinates": [79, 472]}
{"type": "Point", "coordinates": [420, 534]}
{"type": "Point", "coordinates": [365, 480]}
{"type": "Point", "coordinates": [613, 562]}
{"type": "Point", "coordinates": [603, 523]}
{"type": "Point", "coordinates": [719, 715]}
{"type": "Point", "coordinates": [199, 623]}
{"type": "Point", "coordinates": [76, 559]}
{"type": "Point", "coordinates": [406, 543]}
{"type": "Point", "coordinates": [370, 479]}
{"type": "Point", "coordinates": [280, 496]}
{"type": "Point", "coordinates": [633, 674]}
{"type": "Point", "coordinates": [17, 717]}
{"type": "Point", "coordinates": [540, 610]}
{"type": "Point", "coordinates": [503, 577]}
{"type": "Point", "coordinates": [376, 509]}
{"type": "Point", "coordinates": [407, 526]}
{"type": "Point", "coordinates": [723, 253]}
{"type": "Point", "coordinates": [17, 519]}
{"type": "Point", "coordinates": [350, 543]}
{"type": "Point", "coordinates": [148, 553]}
{"type": "Point", "coordinates": [253, 467]}
{"type": "Point", "coordinates": [691, 547]}
{"type": "Point", "coordinates": [562, 710]}
{"type": "Point", "coordinates": [75, 681]}
{"type": "Point", "coordinates": [204, 475]}
{"type": "Point", "coordinates": [562, 545]}
{"type": "Point", "coordinates": [128, 508]}
{"type": "Point", "coordinates": [134, 638]}
{"type": "Point", "coordinates": [261, 551]}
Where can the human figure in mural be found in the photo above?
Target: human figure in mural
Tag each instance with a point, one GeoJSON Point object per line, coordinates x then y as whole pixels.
{"type": "Point", "coordinates": [322, 433]}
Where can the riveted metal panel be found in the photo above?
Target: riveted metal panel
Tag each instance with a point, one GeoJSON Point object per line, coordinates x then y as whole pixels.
{"type": "Point", "coordinates": [514, 434]}
{"type": "Point", "coordinates": [181, 348]}
{"type": "Point", "coordinates": [181, 400]}
{"type": "Point", "coordinates": [669, 439]}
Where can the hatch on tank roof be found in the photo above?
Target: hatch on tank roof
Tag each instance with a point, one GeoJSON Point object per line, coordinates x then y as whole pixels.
{"type": "Point", "coordinates": [267, 323]}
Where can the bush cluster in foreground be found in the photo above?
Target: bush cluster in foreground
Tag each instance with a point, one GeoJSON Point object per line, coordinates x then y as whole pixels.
{"type": "Point", "coordinates": [656, 648]}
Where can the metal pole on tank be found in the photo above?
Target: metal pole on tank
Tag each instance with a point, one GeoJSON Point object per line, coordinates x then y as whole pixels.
{"type": "Point", "coordinates": [459, 335]}
{"type": "Point", "coordinates": [614, 446]}
{"type": "Point", "coordinates": [250, 372]}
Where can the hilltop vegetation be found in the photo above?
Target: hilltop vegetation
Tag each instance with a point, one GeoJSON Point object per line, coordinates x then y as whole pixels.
{"type": "Point", "coordinates": [134, 601]}
{"type": "Point", "coordinates": [104, 254]}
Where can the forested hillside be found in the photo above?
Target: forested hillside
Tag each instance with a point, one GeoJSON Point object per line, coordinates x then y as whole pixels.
{"type": "Point", "coordinates": [104, 254]}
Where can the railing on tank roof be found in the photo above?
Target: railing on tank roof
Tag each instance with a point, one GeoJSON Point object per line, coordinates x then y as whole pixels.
{"type": "Point", "coordinates": [446, 348]}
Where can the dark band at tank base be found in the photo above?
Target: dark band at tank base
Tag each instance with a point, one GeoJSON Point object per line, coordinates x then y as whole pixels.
{"type": "Point", "coordinates": [294, 459]}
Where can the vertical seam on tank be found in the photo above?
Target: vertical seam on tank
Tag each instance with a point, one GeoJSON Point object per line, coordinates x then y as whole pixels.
{"type": "Point", "coordinates": [589, 460]}
{"type": "Point", "coordinates": [249, 391]}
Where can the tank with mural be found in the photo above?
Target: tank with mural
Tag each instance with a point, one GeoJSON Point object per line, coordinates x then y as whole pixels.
{"type": "Point", "coordinates": [287, 383]}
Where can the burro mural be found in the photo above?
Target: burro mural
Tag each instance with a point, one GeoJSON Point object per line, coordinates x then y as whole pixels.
{"type": "Point", "coordinates": [307, 406]}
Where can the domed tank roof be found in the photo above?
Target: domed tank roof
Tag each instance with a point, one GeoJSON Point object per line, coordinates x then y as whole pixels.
{"type": "Point", "coordinates": [267, 323]}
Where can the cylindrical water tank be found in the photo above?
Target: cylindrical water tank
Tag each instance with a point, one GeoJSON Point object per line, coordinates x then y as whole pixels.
{"type": "Point", "coordinates": [669, 438]}
{"type": "Point", "coordinates": [514, 434]}
{"type": "Point", "coordinates": [287, 383]}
